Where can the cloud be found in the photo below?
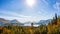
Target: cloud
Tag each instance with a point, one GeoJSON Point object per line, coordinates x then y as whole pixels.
{"type": "Point", "coordinates": [29, 19]}
{"type": "Point", "coordinates": [8, 17]}
{"type": "Point", "coordinates": [45, 2]}
{"type": "Point", "coordinates": [57, 6]}
{"type": "Point", "coordinates": [19, 17]}
{"type": "Point", "coordinates": [13, 14]}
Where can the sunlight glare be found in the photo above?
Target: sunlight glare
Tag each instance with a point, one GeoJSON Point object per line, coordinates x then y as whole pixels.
{"type": "Point", "coordinates": [30, 2]}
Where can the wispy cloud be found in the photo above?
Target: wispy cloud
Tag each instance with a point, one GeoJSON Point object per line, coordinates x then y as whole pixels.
{"type": "Point", "coordinates": [40, 11]}
{"type": "Point", "coordinates": [13, 14]}
{"type": "Point", "coordinates": [45, 2]}
{"type": "Point", "coordinates": [19, 17]}
{"type": "Point", "coordinates": [57, 6]}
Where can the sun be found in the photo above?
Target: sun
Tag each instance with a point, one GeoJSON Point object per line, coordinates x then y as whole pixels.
{"type": "Point", "coordinates": [30, 2]}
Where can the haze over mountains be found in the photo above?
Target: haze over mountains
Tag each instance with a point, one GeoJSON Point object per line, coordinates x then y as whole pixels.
{"type": "Point", "coordinates": [14, 21]}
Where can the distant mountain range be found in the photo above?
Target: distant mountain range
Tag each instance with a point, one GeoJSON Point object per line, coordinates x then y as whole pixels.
{"type": "Point", "coordinates": [43, 22]}
{"type": "Point", "coordinates": [6, 22]}
{"type": "Point", "coordinates": [3, 20]}
{"type": "Point", "coordinates": [15, 22]}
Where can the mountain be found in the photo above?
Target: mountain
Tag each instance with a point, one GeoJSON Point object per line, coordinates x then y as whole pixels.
{"type": "Point", "coordinates": [35, 24]}
{"type": "Point", "coordinates": [3, 20]}
{"type": "Point", "coordinates": [14, 21]}
{"type": "Point", "coordinates": [43, 22]}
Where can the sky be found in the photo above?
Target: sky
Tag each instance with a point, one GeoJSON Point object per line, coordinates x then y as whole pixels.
{"type": "Point", "coordinates": [29, 10]}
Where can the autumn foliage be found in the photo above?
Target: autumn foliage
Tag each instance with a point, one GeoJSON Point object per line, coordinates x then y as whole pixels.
{"type": "Point", "coordinates": [53, 27]}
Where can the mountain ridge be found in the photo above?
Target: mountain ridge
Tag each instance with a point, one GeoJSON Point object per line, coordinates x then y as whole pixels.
{"type": "Point", "coordinates": [15, 21]}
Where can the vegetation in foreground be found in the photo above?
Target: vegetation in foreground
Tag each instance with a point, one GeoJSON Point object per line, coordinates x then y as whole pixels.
{"type": "Point", "coordinates": [52, 28]}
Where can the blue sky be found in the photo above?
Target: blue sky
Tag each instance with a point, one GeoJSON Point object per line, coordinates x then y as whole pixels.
{"type": "Point", "coordinates": [18, 9]}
